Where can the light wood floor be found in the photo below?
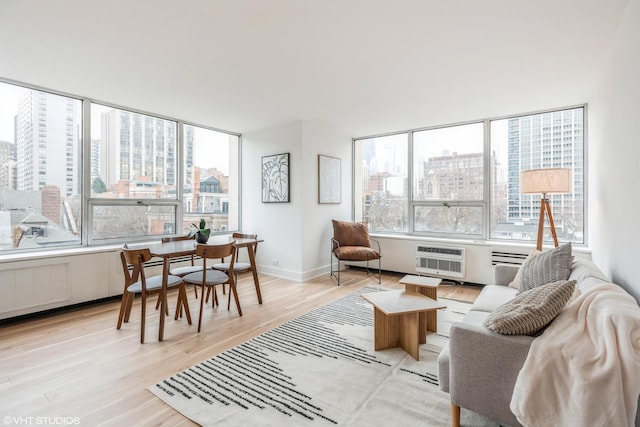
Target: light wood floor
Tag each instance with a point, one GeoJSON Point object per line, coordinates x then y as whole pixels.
{"type": "Point", "coordinates": [76, 364]}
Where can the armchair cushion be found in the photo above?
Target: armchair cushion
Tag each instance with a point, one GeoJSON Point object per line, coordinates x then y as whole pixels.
{"type": "Point", "coordinates": [351, 233]}
{"type": "Point", "coordinates": [356, 253]}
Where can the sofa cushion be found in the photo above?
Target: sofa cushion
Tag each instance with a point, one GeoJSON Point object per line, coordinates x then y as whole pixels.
{"type": "Point", "coordinates": [515, 283]}
{"type": "Point", "coordinates": [493, 296]}
{"type": "Point", "coordinates": [475, 317]}
{"type": "Point", "coordinates": [546, 267]}
{"type": "Point", "coordinates": [351, 233]}
{"type": "Point", "coordinates": [530, 312]}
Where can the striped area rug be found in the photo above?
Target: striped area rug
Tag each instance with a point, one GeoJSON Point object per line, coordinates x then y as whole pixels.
{"type": "Point", "coordinates": [319, 370]}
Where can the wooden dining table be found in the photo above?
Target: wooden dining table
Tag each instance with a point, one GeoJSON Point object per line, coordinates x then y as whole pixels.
{"type": "Point", "coordinates": [179, 248]}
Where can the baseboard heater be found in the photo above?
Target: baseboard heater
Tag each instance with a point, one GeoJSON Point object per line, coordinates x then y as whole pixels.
{"type": "Point", "coordinates": [446, 261]}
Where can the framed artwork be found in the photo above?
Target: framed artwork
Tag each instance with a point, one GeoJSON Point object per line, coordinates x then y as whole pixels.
{"type": "Point", "coordinates": [329, 180]}
{"type": "Point", "coordinates": [275, 178]}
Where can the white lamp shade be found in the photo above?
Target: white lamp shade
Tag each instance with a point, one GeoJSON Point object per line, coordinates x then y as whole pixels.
{"type": "Point", "coordinates": [551, 180]}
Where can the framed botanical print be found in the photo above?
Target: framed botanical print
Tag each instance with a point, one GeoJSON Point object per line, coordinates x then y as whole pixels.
{"type": "Point", "coordinates": [275, 178]}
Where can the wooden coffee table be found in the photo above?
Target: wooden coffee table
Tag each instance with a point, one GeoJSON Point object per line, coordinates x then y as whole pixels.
{"type": "Point", "coordinates": [396, 319]}
{"type": "Point", "coordinates": [427, 286]}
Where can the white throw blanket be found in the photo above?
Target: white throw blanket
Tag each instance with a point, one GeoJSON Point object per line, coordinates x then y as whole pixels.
{"type": "Point", "coordinates": [585, 369]}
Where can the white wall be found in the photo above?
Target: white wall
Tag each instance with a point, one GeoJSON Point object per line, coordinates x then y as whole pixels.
{"type": "Point", "coordinates": [279, 224]}
{"type": "Point", "coordinates": [614, 158]}
{"type": "Point", "coordinates": [296, 234]}
{"type": "Point", "coordinates": [317, 229]}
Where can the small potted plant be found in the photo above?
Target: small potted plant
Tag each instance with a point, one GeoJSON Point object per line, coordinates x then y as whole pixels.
{"type": "Point", "coordinates": [202, 232]}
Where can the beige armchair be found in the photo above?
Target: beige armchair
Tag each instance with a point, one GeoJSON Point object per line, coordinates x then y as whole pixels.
{"type": "Point", "coordinates": [351, 242]}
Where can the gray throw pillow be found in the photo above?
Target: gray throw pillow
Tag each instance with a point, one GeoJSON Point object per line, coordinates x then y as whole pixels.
{"type": "Point", "coordinates": [530, 312]}
{"type": "Point", "coordinates": [546, 267]}
{"type": "Point", "coordinates": [515, 283]}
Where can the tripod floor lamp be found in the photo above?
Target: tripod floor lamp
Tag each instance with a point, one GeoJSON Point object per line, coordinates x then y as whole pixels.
{"type": "Point", "coordinates": [545, 181]}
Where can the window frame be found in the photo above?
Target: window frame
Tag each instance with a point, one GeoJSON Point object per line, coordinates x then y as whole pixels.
{"type": "Point", "coordinates": [482, 204]}
{"type": "Point", "coordinates": [489, 188]}
{"type": "Point", "coordinates": [88, 203]}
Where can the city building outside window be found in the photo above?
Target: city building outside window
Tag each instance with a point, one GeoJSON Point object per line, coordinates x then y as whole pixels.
{"type": "Point", "coordinates": [463, 181]}
{"type": "Point", "coordinates": [211, 184]}
{"type": "Point", "coordinates": [40, 169]}
{"type": "Point", "coordinates": [552, 139]}
{"type": "Point", "coordinates": [133, 174]}
{"type": "Point", "coordinates": [128, 182]}
{"type": "Point", "coordinates": [380, 189]}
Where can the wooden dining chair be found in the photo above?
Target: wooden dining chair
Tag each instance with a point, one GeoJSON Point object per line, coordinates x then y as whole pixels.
{"type": "Point", "coordinates": [136, 282]}
{"type": "Point", "coordinates": [209, 278]}
{"type": "Point", "coordinates": [187, 269]}
{"type": "Point", "coordinates": [239, 267]}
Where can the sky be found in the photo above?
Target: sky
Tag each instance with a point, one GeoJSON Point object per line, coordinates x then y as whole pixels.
{"type": "Point", "coordinates": [9, 97]}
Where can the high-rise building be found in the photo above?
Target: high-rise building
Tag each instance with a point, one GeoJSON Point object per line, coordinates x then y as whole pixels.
{"type": "Point", "coordinates": [136, 147]}
{"type": "Point", "coordinates": [7, 165]}
{"type": "Point", "coordinates": [548, 140]}
{"type": "Point", "coordinates": [47, 142]}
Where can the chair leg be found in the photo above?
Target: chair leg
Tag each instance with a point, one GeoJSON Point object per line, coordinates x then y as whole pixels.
{"type": "Point", "coordinates": [183, 303]}
{"type": "Point", "coordinates": [123, 308]}
{"type": "Point", "coordinates": [127, 314]}
{"type": "Point", "coordinates": [144, 315]}
{"type": "Point", "coordinates": [179, 310]}
{"type": "Point", "coordinates": [331, 264]}
{"type": "Point", "coordinates": [201, 308]}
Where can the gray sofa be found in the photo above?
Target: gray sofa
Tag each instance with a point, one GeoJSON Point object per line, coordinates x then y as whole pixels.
{"type": "Point", "coordinates": [479, 367]}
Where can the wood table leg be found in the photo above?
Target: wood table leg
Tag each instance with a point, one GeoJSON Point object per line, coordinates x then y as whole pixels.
{"type": "Point", "coordinates": [429, 321]}
{"type": "Point", "coordinates": [410, 334]}
{"type": "Point", "coordinates": [252, 259]}
{"type": "Point", "coordinates": [385, 330]}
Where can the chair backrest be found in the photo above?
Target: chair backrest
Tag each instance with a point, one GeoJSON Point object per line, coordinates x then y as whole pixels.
{"type": "Point", "coordinates": [247, 236]}
{"type": "Point", "coordinates": [347, 233]}
{"type": "Point", "coordinates": [244, 236]}
{"type": "Point", "coordinates": [136, 258]}
{"type": "Point", "coordinates": [177, 238]}
{"type": "Point", "coordinates": [217, 251]}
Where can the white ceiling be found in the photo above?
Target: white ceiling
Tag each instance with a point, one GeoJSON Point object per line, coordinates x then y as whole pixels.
{"type": "Point", "coordinates": [364, 66]}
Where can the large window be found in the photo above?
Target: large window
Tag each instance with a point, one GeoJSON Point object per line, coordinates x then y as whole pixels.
{"type": "Point", "coordinates": [547, 140]}
{"type": "Point", "coordinates": [381, 182]}
{"type": "Point", "coordinates": [463, 181]}
{"type": "Point", "coordinates": [40, 169]}
{"type": "Point", "coordinates": [448, 180]}
{"type": "Point", "coordinates": [133, 174]}
{"type": "Point", "coordinates": [139, 176]}
{"type": "Point", "coordinates": [211, 184]}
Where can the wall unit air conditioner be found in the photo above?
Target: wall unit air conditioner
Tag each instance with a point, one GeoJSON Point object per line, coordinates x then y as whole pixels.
{"type": "Point", "coordinates": [447, 261]}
